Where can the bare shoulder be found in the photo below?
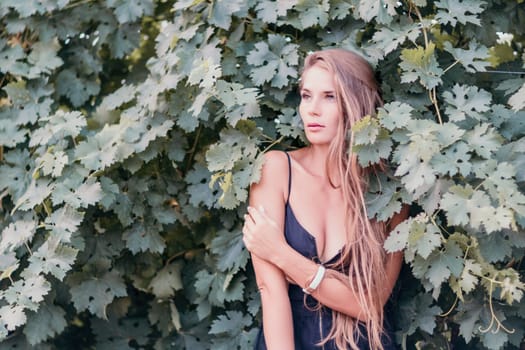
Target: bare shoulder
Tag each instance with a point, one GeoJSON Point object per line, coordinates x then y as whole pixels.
{"type": "Point", "coordinates": [274, 175]}
{"type": "Point", "coordinates": [275, 163]}
{"type": "Point", "coordinates": [271, 188]}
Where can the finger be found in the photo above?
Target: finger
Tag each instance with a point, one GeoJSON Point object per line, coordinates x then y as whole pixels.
{"type": "Point", "coordinates": [255, 214]}
{"type": "Point", "coordinates": [264, 215]}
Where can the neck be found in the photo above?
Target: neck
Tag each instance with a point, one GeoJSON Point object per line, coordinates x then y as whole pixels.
{"type": "Point", "coordinates": [318, 158]}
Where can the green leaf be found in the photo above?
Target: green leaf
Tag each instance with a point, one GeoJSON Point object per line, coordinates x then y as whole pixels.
{"type": "Point", "coordinates": [239, 103]}
{"type": "Point", "coordinates": [58, 126]}
{"type": "Point", "coordinates": [167, 281]}
{"type": "Point", "coordinates": [232, 323]}
{"type": "Point", "coordinates": [76, 194]}
{"type": "Point", "coordinates": [462, 11]}
{"type": "Point", "coordinates": [95, 294]}
{"type": "Point", "coordinates": [198, 187]}
{"type": "Point", "coordinates": [468, 316]}
{"type": "Point", "coordinates": [53, 163]}
{"type": "Point", "coordinates": [454, 160]}
{"type": "Point", "coordinates": [51, 257]}
{"type": "Point", "coordinates": [384, 197]}
{"type": "Point", "coordinates": [312, 13]}
{"type": "Point", "coordinates": [274, 61]}
{"type": "Point", "coordinates": [421, 64]}
{"type": "Point", "coordinates": [466, 101]}
{"type": "Point", "coordinates": [270, 12]}
{"type": "Point", "coordinates": [43, 57]}
{"type": "Point", "coordinates": [389, 38]}
{"type": "Point", "coordinates": [424, 237]}
{"type": "Point", "coordinates": [381, 10]}
{"type": "Point", "coordinates": [125, 334]}
{"type": "Point", "coordinates": [47, 322]}
{"type": "Point", "coordinates": [27, 293]}
{"type": "Point", "coordinates": [63, 222]}
{"type": "Point", "coordinates": [34, 194]}
{"type": "Point", "coordinates": [483, 140]}
{"type": "Point", "coordinates": [129, 12]}
{"type": "Point", "coordinates": [143, 237]}
{"type": "Point", "coordinates": [117, 98]}
{"type": "Point", "coordinates": [474, 59]}
{"type": "Point", "coordinates": [11, 316]}
{"type": "Point", "coordinates": [517, 101]}
{"type": "Point", "coordinates": [78, 89]}
{"type": "Point", "coordinates": [419, 313]}
{"type": "Point", "coordinates": [470, 276]}
{"type": "Point", "coordinates": [397, 239]}
{"type": "Point", "coordinates": [230, 251]}
{"type": "Point", "coordinates": [222, 11]}
{"type": "Point", "coordinates": [16, 234]}
{"type": "Point", "coordinates": [395, 115]}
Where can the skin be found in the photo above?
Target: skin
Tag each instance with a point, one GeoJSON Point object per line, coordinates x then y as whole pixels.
{"type": "Point", "coordinates": [276, 263]}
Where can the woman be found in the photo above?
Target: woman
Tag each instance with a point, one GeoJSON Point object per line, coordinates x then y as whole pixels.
{"type": "Point", "coordinates": [323, 274]}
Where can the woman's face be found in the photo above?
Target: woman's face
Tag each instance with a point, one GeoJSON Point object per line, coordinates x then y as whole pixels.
{"type": "Point", "coordinates": [319, 108]}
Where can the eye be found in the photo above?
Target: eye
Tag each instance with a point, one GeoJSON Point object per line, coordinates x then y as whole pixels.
{"type": "Point", "coordinates": [330, 97]}
{"type": "Point", "coordinates": [305, 96]}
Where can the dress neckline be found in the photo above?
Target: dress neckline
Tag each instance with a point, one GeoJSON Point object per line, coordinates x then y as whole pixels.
{"type": "Point", "coordinates": [312, 238]}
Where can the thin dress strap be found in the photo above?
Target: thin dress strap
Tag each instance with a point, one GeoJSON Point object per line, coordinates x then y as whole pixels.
{"type": "Point", "coordinates": [289, 177]}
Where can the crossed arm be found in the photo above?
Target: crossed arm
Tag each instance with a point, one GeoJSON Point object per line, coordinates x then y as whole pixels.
{"type": "Point", "coordinates": [275, 261]}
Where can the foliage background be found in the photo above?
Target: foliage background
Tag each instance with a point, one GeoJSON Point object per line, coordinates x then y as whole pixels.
{"type": "Point", "coordinates": [131, 130]}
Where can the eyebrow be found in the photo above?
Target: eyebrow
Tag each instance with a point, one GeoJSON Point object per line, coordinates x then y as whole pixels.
{"type": "Point", "coordinates": [324, 92]}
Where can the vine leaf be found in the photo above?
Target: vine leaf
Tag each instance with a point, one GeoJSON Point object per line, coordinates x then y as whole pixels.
{"type": "Point", "coordinates": [48, 321]}
{"type": "Point", "coordinates": [129, 12]}
{"type": "Point", "coordinates": [56, 259]}
{"type": "Point", "coordinates": [466, 101]}
{"type": "Point", "coordinates": [16, 234]}
{"type": "Point", "coordinates": [232, 323]}
{"type": "Point", "coordinates": [269, 12]}
{"type": "Point", "coordinates": [58, 126]}
{"type": "Point", "coordinates": [230, 251]}
{"type": "Point", "coordinates": [474, 59]}
{"type": "Point", "coordinates": [95, 294]}
{"type": "Point", "coordinates": [462, 11]}
{"type": "Point", "coordinates": [382, 11]}
{"type": "Point", "coordinates": [517, 101]}
{"type": "Point", "coordinates": [167, 281]}
{"type": "Point", "coordinates": [421, 64]}
{"type": "Point", "coordinates": [274, 61]}
{"type": "Point", "coordinates": [141, 238]}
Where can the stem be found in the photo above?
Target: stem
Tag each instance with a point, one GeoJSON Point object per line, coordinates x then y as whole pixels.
{"type": "Point", "coordinates": [431, 93]}
{"type": "Point", "coordinates": [194, 147]}
{"type": "Point", "coordinates": [449, 67]}
{"type": "Point", "coordinates": [273, 144]}
{"type": "Point", "coordinates": [494, 318]}
{"type": "Point", "coordinates": [433, 99]}
{"type": "Point", "coordinates": [28, 248]}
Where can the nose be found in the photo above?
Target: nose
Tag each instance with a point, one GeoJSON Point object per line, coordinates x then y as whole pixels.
{"type": "Point", "coordinates": [314, 107]}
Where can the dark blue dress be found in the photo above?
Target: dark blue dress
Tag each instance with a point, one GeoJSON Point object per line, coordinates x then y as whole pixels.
{"type": "Point", "coordinates": [310, 323]}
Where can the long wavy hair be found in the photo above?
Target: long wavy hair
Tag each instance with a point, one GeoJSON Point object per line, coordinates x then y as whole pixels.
{"type": "Point", "coordinates": [363, 257]}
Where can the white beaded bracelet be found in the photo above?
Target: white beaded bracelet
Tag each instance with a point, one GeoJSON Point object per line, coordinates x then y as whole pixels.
{"type": "Point", "coordinates": [316, 281]}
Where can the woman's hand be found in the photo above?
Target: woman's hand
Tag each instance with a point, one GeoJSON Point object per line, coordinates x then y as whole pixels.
{"type": "Point", "coordinates": [261, 234]}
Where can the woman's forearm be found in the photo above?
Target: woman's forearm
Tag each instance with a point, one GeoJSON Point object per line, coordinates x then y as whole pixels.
{"type": "Point", "coordinates": [332, 290]}
{"type": "Point", "coordinates": [276, 310]}
{"type": "Point", "coordinates": [277, 320]}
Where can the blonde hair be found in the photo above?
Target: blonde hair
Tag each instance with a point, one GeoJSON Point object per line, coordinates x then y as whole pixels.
{"type": "Point", "coordinates": [363, 258]}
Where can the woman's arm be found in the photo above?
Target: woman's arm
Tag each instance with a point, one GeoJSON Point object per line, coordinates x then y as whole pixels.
{"type": "Point", "coordinates": [332, 290]}
{"type": "Point", "coordinates": [273, 287]}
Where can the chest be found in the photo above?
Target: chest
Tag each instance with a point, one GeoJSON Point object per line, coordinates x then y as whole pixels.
{"type": "Point", "coordinates": [320, 216]}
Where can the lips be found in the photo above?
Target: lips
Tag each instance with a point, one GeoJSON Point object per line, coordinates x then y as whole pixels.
{"type": "Point", "coordinates": [314, 125]}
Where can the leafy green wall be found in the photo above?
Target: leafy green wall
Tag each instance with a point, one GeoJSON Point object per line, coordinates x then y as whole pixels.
{"type": "Point", "coordinates": [131, 130]}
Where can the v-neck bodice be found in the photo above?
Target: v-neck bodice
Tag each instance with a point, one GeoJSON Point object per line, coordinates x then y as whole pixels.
{"type": "Point", "coordinates": [301, 239]}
